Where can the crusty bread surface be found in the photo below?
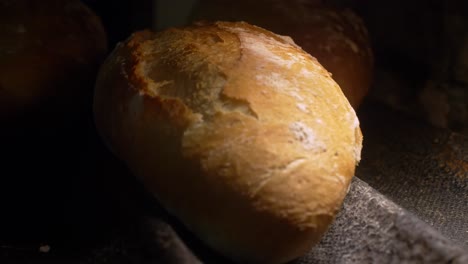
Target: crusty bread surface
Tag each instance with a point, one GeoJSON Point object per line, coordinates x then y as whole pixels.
{"type": "Point", "coordinates": [238, 132]}
{"type": "Point", "coordinates": [337, 37]}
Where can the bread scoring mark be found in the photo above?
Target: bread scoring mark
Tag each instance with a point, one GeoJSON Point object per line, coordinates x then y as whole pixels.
{"type": "Point", "coordinates": [306, 136]}
{"type": "Point", "coordinates": [260, 184]}
{"type": "Point", "coordinates": [285, 169]}
{"type": "Point", "coordinates": [293, 165]}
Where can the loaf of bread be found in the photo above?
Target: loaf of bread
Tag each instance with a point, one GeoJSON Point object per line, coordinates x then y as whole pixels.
{"type": "Point", "coordinates": [337, 37]}
{"type": "Point", "coordinates": [50, 51]}
{"type": "Point", "coordinates": [237, 132]}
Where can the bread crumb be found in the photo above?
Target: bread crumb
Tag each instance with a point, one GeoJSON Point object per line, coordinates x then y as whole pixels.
{"type": "Point", "coordinates": [44, 249]}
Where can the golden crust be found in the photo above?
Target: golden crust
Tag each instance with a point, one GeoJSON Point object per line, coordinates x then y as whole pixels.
{"type": "Point", "coordinates": [237, 131]}
{"type": "Point", "coordinates": [337, 37]}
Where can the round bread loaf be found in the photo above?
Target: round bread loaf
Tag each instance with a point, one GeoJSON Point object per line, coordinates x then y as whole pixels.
{"type": "Point", "coordinates": [337, 37]}
{"type": "Point", "coordinates": [237, 132]}
{"type": "Point", "coordinates": [50, 50]}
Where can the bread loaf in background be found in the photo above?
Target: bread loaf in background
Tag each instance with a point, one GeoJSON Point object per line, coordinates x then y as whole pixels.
{"type": "Point", "coordinates": [237, 132]}
{"type": "Point", "coordinates": [337, 37]}
{"type": "Point", "coordinates": [50, 51]}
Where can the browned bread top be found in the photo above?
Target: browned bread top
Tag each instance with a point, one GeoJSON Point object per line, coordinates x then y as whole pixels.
{"type": "Point", "coordinates": [337, 37]}
{"type": "Point", "coordinates": [236, 130]}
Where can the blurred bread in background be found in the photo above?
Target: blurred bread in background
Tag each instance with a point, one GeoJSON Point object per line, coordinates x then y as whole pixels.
{"type": "Point", "coordinates": [421, 57]}
{"type": "Point", "coordinates": [50, 51]}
